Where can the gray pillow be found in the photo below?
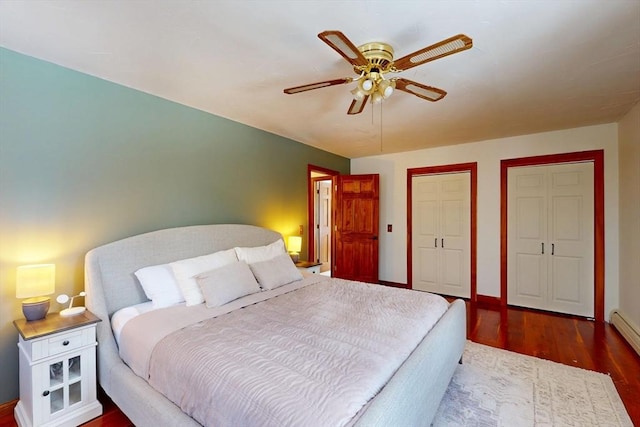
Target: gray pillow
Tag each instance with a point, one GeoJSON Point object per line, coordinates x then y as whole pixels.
{"type": "Point", "coordinates": [227, 283]}
{"type": "Point", "coordinates": [275, 272]}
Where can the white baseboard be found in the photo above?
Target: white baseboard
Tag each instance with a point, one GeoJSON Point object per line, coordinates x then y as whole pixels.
{"type": "Point", "coordinates": [627, 329]}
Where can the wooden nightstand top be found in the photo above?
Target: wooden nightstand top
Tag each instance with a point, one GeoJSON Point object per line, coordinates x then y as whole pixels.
{"type": "Point", "coordinates": [52, 324]}
{"type": "Point", "coordinates": [307, 264]}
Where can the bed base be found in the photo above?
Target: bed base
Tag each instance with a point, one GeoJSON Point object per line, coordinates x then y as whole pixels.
{"type": "Point", "coordinates": [410, 398]}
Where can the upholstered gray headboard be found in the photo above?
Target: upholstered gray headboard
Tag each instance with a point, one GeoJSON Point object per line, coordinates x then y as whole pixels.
{"type": "Point", "coordinates": [110, 282]}
{"type": "Point", "coordinates": [110, 268]}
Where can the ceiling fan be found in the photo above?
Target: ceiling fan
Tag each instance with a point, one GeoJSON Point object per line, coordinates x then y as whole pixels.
{"type": "Point", "coordinates": [372, 61]}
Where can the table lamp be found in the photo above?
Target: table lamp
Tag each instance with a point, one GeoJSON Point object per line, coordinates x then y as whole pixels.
{"type": "Point", "coordinates": [33, 282]}
{"type": "Point", "coordinates": [295, 246]}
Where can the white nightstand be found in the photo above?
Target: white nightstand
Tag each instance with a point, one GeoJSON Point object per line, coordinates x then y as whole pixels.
{"type": "Point", "coordinates": [309, 267]}
{"type": "Point", "coordinates": [57, 371]}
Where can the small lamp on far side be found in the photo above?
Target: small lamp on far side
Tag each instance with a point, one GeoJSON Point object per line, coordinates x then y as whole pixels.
{"type": "Point", "coordinates": [294, 245]}
{"type": "Point", "coordinates": [34, 282]}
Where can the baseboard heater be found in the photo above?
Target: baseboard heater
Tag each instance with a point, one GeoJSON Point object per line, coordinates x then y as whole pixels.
{"type": "Point", "coordinates": [627, 329]}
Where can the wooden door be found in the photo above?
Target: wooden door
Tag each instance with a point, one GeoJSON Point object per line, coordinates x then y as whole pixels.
{"type": "Point", "coordinates": [441, 233]}
{"type": "Point", "coordinates": [551, 238]}
{"type": "Point", "coordinates": [356, 228]}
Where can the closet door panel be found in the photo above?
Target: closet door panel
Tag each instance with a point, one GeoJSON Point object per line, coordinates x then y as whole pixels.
{"type": "Point", "coordinates": [530, 276]}
{"type": "Point", "coordinates": [452, 276]}
{"type": "Point", "coordinates": [455, 232]}
{"type": "Point", "coordinates": [571, 231]}
{"type": "Point", "coordinates": [565, 270]}
{"type": "Point", "coordinates": [428, 259]}
{"type": "Point", "coordinates": [527, 234]}
{"type": "Point", "coordinates": [425, 220]}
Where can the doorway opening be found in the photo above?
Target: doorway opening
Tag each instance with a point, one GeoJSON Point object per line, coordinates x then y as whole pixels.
{"type": "Point", "coordinates": [321, 182]}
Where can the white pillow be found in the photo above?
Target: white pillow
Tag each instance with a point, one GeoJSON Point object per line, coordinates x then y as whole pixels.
{"type": "Point", "coordinates": [160, 285]}
{"type": "Point", "coordinates": [275, 272]}
{"type": "Point", "coordinates": [185, 270]}
{"type": "Point", "coordinates": [227, 283]}
{"type": "Point", "coordinates": [261, 253]}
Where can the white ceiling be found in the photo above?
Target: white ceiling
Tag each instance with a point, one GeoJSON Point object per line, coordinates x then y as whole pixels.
{"type": "Point", "coordinates": [536, 65]}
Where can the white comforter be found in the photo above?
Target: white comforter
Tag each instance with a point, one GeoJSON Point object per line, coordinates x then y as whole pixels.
{"type": "Point", "coordinates": [310, 357]}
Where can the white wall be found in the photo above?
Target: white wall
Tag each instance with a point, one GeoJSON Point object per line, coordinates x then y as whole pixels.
{"type": "Point", "coordinates": [629, 146]}
{"type": "Point", "coordinates": [393, 196]}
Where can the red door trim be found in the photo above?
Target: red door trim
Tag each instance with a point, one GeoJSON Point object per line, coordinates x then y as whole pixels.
{"type": "Point", "coordinates": [472, 168]}
{"type": "Point", "coordinates": [597, 157]}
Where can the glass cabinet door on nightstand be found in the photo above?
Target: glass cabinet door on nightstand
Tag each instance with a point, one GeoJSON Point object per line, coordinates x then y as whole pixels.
{"type": "Point", "coordinates": [64, 385]}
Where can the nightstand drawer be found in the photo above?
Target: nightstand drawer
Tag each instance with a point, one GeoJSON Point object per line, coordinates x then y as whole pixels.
{"type": "Point", "coordinates": [61, 342]}
{"type": "Point", "coordinates": [64, 342]}
{"type": "Point", "coordinates": [309, 267]}
{"type": "Point", "coordinates": [314, 269]}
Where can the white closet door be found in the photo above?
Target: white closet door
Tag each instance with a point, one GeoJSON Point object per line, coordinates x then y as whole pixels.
{"type": "Point", "coordinates": [550, 238]}
{"type": "Point", "coordinates": [527, 237]}
{"type": "Point", "coordinates": [571, 233]}
{"type": "Point", "coordinates": [441, 234]}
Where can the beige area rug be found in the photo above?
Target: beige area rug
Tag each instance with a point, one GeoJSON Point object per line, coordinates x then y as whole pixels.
{"type": "Point", "coordinates": [496, 387]}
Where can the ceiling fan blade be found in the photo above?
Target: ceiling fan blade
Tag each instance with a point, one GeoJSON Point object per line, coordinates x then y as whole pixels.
{"type": "Point", "coordinates": [318, 85]}
{"type": "Point", "coordinates": [341, 44]}
{"type": "Point", "coordinates": [357, 105]}
{"type": "Point", "coordinates": [421, 91]}
{"type": "Point", "coordinates": [439, 50]}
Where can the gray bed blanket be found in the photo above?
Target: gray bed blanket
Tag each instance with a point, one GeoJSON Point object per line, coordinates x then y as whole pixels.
{"type": "Point", "coordinates": [310, 357]}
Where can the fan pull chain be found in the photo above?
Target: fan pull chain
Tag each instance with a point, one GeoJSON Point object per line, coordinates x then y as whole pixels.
{"type": "Point", "coordinates": [381, 126]}
{"type": "Point", "coordinates": [373, 107]}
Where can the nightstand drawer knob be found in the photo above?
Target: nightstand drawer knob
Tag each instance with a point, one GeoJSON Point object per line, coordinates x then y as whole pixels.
{"type": "Point", "coordinates": [65, 342]}
{"type": "Point", "coordinates": [45, 393]}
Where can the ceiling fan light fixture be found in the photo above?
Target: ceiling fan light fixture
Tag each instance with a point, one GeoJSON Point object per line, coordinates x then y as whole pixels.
{"type": "Point", "coordinates": [358, 94]}
{"type": "Point", "coordinates": [367, 84]}
{"type": "Point", "coordinates": [385, 87]}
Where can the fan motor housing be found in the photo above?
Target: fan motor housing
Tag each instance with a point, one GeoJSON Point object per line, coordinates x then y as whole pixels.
{"type": "Point", "coordinates": [379, 55]}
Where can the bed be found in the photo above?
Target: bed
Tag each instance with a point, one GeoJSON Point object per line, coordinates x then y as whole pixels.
{"type": "Point", "coordinates": [409, 396]}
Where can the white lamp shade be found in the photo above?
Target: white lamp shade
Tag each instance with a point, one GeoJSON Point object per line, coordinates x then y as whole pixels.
{"type": "Point", "coordinates": [35, 280]}
{"type": "Point", "coordinates": [295, 244]}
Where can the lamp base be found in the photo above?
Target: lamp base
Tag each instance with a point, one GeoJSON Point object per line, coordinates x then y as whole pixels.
{"type": "Point", "coordinates": [72, 311]}
{"type": "Point", "coordinates": [295, 256]}
{"type": "Point", "coordinates": [35, 308]}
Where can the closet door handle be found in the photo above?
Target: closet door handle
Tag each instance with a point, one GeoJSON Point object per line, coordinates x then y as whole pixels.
{"type": "Point", "coordinates": [435, 242]}
{"type": "Point", "coordinates": [542, 248]}
{"type": "Point", "coordinates": [442, 243]}
{"type": "Point", "coordinates": [553, 248]}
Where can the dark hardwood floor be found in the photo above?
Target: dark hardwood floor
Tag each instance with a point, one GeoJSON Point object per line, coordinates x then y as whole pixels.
{"type": "Point", "coordinates": [565, 339]}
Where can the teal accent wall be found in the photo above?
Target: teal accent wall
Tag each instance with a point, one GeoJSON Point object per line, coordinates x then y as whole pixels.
{"type": "Point", "coordinates": [84, 162]}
